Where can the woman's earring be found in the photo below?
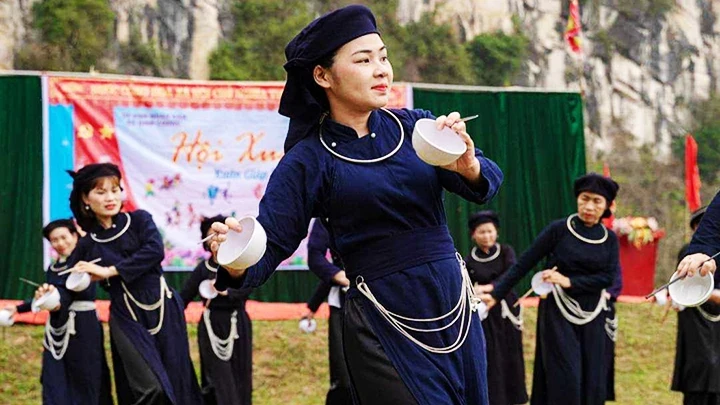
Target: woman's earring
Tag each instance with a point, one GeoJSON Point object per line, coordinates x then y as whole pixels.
{"type": "Point", "coordinates": [87, 208]}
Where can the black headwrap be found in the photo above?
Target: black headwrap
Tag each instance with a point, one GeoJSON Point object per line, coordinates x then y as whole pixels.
{"type": "Point", "coordinates": [483, 217]}
{"type": "Point", "coordinates": [303, 101]}
{"type": "Point", "coordinates": [696, 216]}
{"type": "Point", "coordinates": [205, 226]}
{"type": "Point", "coordinates": [83, 181]}
{"type": "Point", "coordinates": [595, 183]}
{"type": "Point", "coordinates": [59, 223]}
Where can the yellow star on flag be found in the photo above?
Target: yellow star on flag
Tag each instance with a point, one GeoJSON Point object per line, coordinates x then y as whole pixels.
{"type": "Point", "coordinates": [85, 131]}
{"type": "Point", "coordinates": [106, 132]}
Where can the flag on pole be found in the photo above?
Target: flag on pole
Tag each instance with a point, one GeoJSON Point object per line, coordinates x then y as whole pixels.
{"type": "Point", "coordinates": [692, 174]}
{"type": "Point", "coordinates": [573, 31]}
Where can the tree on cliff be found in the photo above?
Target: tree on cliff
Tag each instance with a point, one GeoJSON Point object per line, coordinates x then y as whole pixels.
{"type": "Point", "coordinates": [71, 35]}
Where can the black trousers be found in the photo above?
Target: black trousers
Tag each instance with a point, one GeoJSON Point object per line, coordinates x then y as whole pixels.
{"type": "Point", "coordinates": [374, 379]}
{"type": "Point", "coordinates": [339, 392]}
{"type": "Point", "coordinates": [137, 384]}
{"type": "Point", "coordinates": [701, 398]}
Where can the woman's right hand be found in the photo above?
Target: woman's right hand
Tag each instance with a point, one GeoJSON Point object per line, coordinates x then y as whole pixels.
{"type": "Point", "coordinates": [696, 262]}
{"type": "Point", "coordinates": [340, 278]}
{"type": "Point", "coordinates": [483, 288]}
{"type": "Point", "coordinates": [221, 230]}
{"type": "Point", "coordinates": [44, 289]}
{"type": "Point", "coordinates": [489, 300]}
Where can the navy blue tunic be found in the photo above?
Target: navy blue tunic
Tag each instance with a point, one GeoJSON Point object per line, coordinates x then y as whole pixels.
{"type": "Point", "coordinates": [570, 359]}
{"type": "Point", "coordinates": [506, 381]}
{"type": "Point", "coordinates": [697, 355]}
{"type": "Point", "coordinates": [318, 245]}
{"type": "Point", "coordinates": [223, 382]}
{"type": "Point", "coordinates": [387, 223]}
{"type": "Point", "coordinates": [134, 246]}
{"type": "Point", "coordinates": [81, 376]}
{"type": "Point", "coordinates": [706, 238]}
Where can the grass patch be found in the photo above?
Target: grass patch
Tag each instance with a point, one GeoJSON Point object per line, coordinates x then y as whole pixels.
{"type": "Point", "coordinates": [291, 367]}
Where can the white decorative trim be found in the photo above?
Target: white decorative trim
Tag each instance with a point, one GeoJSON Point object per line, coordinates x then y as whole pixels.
{"type": "Point", "coordinates": [467, 304]}
{"type": "Point", "coordinates": [571, 309]}
{"type": "Point", "coordinates": [209, 267]}
{"type": "Point", "coordinates": [366, 161]}
{"type": "Point", "coordinates": [517, 321]}
{"type": "Point", "coordinates": [119, 234]}
{"type": "Point", "coordinates": [223, 348]}
{"type": "Point", "coordinates": [582, 238]}
{"type": "Point", "coordinates": [710, 317]}
{"type": "Point", "coordinates": [55, 347]}
{"type": "Point", "coordinates": [165, 292]}
{"type": "Point", "coordinates": [473, 253]}
{"type": "Point", "coordinates": [58, 269]}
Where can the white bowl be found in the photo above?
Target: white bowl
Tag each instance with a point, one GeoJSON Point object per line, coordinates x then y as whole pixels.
{"type": "Point", "coordinates": [243, 249]}
{"type": "Point", "coordinates": [6, 318]}
{"type": "Point", "coordinates": [207, 289]}
{"type": "Point", "coordinates": [78, 281]}
{"type": "Point", "coordinates": [482, 310]}
{"type": "Point", "coordinates": [48, 301]}
{"type": "Point", "coordinates": [539, 286]}
{"type": "Point", "coordinates": [308, 325]}
{"type": "Point", "coordinates": [437, 148]}
{"type": "Point", "coordinates": [692, 291]}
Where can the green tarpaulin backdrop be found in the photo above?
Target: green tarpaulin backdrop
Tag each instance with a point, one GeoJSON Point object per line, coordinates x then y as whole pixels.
{"type": "Point", "coordinates": [536, 138]}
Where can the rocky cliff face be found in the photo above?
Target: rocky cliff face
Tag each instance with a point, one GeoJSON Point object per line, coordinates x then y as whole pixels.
{"type": "Point", "coordinates": [640, 69]}
{"type": "Point", "coordinates": [642, 65]}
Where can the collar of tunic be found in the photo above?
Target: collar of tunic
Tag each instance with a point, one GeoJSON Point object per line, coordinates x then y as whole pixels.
{"type": "Point", "coordinates": [62, 266]}
{"type": "Point", "coordinates": [211, 265]}
{"type": "Point", "coordinates": [481, 257]}
{"type": "Point", "coordinates": [596, 234]}
{"type": "Point", "coordinates": [121, 223]}
{"type": "Point", "coordinates": [385, 136]}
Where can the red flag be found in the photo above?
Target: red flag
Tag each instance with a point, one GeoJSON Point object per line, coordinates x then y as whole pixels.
{"type": "Point", "coordinates": [606, 169]}
{"type": "Point", "coordinates": [573, 31]}
{"type": "Point", "coordinates": [608, 222]}
{"type": "Point", "coordinates": [692, 174]}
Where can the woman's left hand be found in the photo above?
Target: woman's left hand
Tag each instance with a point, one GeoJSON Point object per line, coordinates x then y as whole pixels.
{"type": "Point", "coordinates": [95, 271]}
{"type": "Point", "coordinates": [555, 277]}
{"type": "Point", "coordinates": [467, 165]}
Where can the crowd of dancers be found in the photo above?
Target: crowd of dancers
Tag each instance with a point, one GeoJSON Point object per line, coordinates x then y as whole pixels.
{"type": "Point", "coordinates": [403, 323]}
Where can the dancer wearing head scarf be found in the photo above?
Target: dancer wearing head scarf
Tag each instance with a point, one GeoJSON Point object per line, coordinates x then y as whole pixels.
{"type": "Point", "coordinates": [408, 335]}
{"type": "Point", "coordinates": [697, 356]}
{"type": "Point", "coordinates": [224, 334]}
{"type": "Point", "coordinates": [151, 356]}
{"type": "Point", "coordinates": [74, 367]}
{"type": "Point", "coordinates": [487, 261]}
{"type": "Point", "coordinates": [570, 351]}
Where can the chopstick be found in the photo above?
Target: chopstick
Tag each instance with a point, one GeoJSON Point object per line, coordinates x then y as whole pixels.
{"type": "Point", "coordinates": [32, 283]}
{"type": "Point", "coordinates": [527, 294]}
{"type": "Point", "coordinates": [207, 238]}
{"type": "Point", "coordinates": [470, 118]}
{"type": "Point", "coordinates": [662, 287]}
{"type": "Point", "coordinates": [62, 273]}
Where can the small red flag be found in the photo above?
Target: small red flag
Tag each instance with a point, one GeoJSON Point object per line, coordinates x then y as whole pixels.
{"type": "Point", "coordinates": [692, 174]}
{"type": "Point", "coordinates": [573, 31]}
